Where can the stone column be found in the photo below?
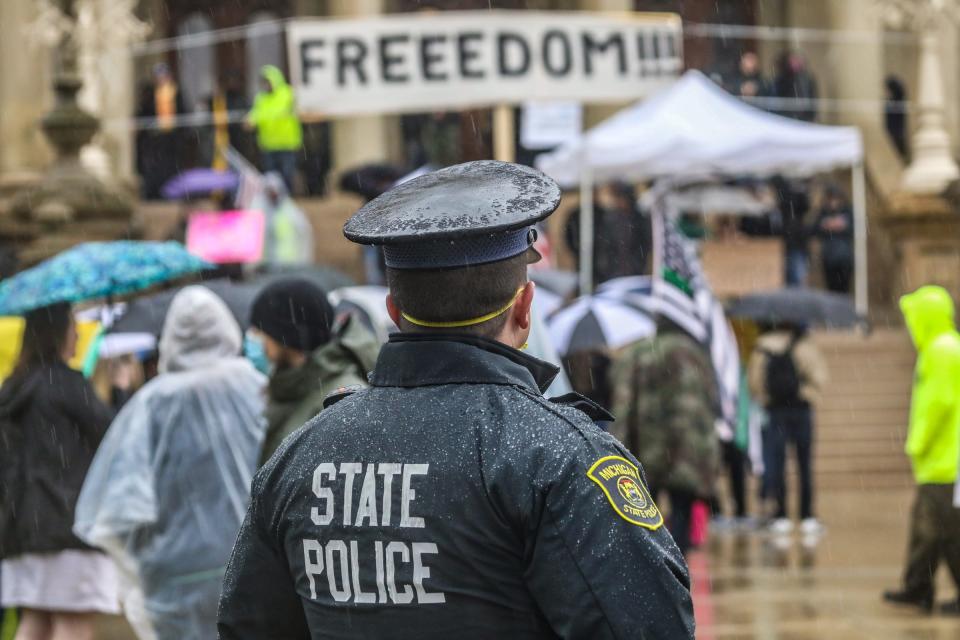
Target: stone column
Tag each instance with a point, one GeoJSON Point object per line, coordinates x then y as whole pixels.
{"type": "Point", "coordinates": [117, 108]}
{"type": "Point", "coordinates": [68, 197]}
{"type": "Point", "coordinates": [24, 92]}
{"type": "Point", "coordinates": [105, 30]}
{"type": "Point", "coordinates": [362, 139]}
{"type": "Point", "coordinates": [853, 74]}
{"type": "Point", "coordinates": [932, 167]}
{"type": "Point", "coordinates": [856, 71]}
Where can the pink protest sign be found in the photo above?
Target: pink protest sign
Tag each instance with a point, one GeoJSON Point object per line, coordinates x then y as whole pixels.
{"type": "Point", "coordinates": [224, 237]}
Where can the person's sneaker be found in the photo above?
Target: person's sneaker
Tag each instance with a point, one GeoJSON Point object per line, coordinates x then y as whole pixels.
{"type": "Point", "coordinates": [910, 599]}
{"type": "Point", "coordinates": [811, 527]}
{"type": "Point", "coordinates": [951, 608]}
{"type": "Point", "coordinates": [781, 526]}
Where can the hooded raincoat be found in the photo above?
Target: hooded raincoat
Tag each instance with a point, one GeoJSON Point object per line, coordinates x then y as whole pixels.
{"type": "Point", "coordinates": [169, 486]}
{"type": "Point", "coordinates": [274, 114]}
{"type": "Point", "coordinates": [933, 442]}
{"type": "Point", "coordinates": [289, 235]}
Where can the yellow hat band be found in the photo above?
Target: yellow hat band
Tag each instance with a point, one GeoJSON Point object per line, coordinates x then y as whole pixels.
{"type": "Point", "coordinates": [453, 324]}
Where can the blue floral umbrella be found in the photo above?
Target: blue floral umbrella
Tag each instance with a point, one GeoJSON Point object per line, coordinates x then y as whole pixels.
{"type": "Point", "coordinates": [96, 270]}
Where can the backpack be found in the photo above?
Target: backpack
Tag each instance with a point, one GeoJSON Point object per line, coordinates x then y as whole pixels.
{"type": "Point", "coordinates": [783, 380]}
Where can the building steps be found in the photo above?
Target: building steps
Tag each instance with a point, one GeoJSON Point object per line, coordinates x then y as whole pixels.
{"type": "Point", "coordinates": [861, 420]}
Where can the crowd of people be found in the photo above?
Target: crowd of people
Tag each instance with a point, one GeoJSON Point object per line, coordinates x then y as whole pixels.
{"type": "Point", "coordinates": [791, 91]}
{"type": "Point", "coordinates": [664, 394]}
{"type": "Point", "coordinates": [174, 135]}
{"type": "Point", "coordinates": [133, 501]}
{"type": "Point", "coordinates": [159, 480]}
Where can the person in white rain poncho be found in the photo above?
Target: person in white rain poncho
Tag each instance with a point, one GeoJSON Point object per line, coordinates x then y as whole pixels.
{"type": "Point", "coordinates": [288, 238]}
{"type": "Point", "coordinates": [169, 486]}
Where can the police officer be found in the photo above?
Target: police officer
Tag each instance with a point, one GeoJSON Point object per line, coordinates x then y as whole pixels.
{"type": "Point", "coordinates": [451, 499]}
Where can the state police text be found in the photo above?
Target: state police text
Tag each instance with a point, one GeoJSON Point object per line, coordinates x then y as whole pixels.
{"type": "Point", "coordinates": [371, 569]}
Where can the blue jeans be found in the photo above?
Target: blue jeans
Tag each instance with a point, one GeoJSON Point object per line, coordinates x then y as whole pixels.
{"type": "Point", "coordinates": [790, 425]}
{"type": "Point", "coordinates": [796, 267]}
{"type": "Point", "coordinates": [284, 163]}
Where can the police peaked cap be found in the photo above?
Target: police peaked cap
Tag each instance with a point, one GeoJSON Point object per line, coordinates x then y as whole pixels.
{"type": "Point", "coordinates": [468, 214]}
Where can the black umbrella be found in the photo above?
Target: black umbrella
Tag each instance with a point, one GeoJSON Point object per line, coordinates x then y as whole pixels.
{"type": "Point", "coordinates": [797, 306]}
{"type": "Point", "coordinates": [147, 314]}
{"type": "Point", "coordinates": [370, 180]}
{"type": "Point", "coordinates": [327, 278]}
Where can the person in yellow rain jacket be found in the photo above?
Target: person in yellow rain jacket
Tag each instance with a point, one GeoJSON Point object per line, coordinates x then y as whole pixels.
{"type": "Point", "coordinates": [279, 133]}
{"type": "Point", "coordinates": [933, 445]}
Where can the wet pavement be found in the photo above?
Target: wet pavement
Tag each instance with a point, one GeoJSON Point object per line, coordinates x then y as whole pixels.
{"type": "Point", "coordinates": [753, 586]}
{"type": "Point", "coordinates": [758, 586]}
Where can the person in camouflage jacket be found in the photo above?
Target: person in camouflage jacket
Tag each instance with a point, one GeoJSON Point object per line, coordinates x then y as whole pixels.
{"type": "Point", "coordinates": [665, 400]}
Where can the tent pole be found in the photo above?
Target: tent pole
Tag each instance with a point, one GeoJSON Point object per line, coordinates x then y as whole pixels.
{"type": "Point", "coordinates": [586, 227]}
{"type": "Point", "coordinates": [860, 238]}
{"type": "Point", "coordinates": [504, 132]}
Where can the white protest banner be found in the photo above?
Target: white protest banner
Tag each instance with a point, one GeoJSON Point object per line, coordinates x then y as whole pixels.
{"type": "Point", "coordinates": [453, 60]}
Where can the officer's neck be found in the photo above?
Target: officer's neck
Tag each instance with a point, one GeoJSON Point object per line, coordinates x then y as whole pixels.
{"type": "Point", "coordinates": [512, 335]}
{"type": "Point", "coordinates": [506, 337]}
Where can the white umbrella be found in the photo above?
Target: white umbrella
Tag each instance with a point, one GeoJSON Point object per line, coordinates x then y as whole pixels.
{"type": "Point", "coordinates": [114, 345]}
{"type": "Point", "coordinates": [594, 322]}
{"type": "Point", "coordinates": [657, 298]}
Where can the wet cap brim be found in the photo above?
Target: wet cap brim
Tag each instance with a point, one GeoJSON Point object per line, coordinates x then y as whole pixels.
{"type": "Point", "coordinates": [472, 200]}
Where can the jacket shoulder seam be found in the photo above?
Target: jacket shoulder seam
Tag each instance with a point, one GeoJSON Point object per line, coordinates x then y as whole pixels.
{"type": "Point", "coordinates": [546, 406]}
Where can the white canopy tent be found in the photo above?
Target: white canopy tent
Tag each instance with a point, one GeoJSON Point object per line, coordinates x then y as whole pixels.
{"type": "Point", "coordinates": [694, 130]}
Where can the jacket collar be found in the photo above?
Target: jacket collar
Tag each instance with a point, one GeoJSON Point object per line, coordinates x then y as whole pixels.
{"type": "Point", "coordinates": [421, 359]}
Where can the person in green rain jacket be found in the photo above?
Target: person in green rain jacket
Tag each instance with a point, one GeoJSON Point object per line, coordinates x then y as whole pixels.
{"type": "Point", "coordinates": [933, 445]}
{"type": "Point", "coordinates": [279, 133]}
{"type": "Point", "coordinates": [313, 356]}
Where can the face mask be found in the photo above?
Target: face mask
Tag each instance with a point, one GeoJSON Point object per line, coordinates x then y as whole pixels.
{"type": "Point", "coordinates": [254, 352]}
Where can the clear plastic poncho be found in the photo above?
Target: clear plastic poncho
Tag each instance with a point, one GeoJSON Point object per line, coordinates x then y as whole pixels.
{"type": "Point", "coordinates": [169, 485]}
{"type": "Point", "coordinates": [288, 238]}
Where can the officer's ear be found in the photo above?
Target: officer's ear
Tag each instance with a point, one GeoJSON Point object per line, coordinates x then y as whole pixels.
{"type": "Point", "coordinates": [522, 308]}
{"type": "Point", "coordinates": [393, 310]}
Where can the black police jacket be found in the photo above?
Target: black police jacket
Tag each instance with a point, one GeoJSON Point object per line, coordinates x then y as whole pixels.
{"type": "Point", "coordinates": [451, 500]}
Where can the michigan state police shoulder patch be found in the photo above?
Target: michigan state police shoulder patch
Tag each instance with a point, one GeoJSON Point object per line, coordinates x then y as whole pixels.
{"type": "Point", "coordinates": [621, 482]}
